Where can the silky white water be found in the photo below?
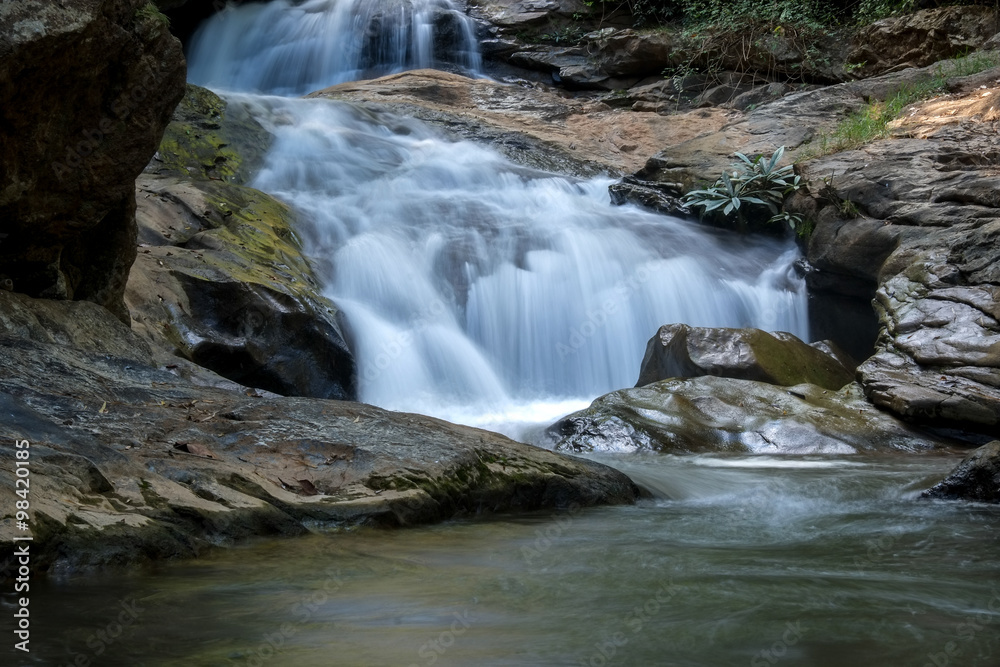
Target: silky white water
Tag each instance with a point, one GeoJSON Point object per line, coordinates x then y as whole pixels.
{"type": "Point", "coordinates": [473, 289]}
{"type": "Point", "coordinates": [481, 291]}
{"type": "Point", "coordinates": [289, 48]}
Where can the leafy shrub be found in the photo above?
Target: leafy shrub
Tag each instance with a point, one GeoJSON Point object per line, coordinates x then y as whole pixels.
{"type": "Point", "coordinates": [752, 194]}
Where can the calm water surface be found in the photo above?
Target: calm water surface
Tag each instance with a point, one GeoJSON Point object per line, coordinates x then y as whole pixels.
{"type": "Point", "coordinates": [734, 561]}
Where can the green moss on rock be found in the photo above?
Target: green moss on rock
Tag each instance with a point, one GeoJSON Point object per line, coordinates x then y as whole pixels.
{"type": "Point", "coordinates": [211, 138]}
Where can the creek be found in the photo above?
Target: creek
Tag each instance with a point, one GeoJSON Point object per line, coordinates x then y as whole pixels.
{"type": "Point", "coordinates": [484, 292]}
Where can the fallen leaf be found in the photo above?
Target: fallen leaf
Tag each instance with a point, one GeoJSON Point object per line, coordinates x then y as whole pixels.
{"type": "Point", "coordinates": [104, 407]}
{"type": "Point", "coordinates": [308, 487]}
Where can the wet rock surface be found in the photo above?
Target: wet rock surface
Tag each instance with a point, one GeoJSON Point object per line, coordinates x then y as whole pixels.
{"type": "Point", "coordinates": [221, 281]}
{"type": "Point", "coordinates": [131, 462]}
{"type": "Point", "coordinates": [713, 414]}
{"type": "Point", "coordinates": [977, 478]}
{"type": "Point", "coordinates": [532, 125]}
{"type": "Point", "coordinates": [76, 137]}
{"type": "Point", "coordinates": [682, 351]}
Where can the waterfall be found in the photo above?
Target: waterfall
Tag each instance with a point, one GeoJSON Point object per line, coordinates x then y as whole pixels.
{"type": "Point", "coordinates": [476, 289]}
{"type": "Point", "coordinates": [473, 289]}
{"type": "Point", "coordinates": [287, 48]}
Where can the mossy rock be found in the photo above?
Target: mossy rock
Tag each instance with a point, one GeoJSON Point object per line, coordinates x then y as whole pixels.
{"type": "Point", "coordinates": [221, 281]}
{"type": "Point", "coordinates": [211, 138]}
{"type": "Point", "coordinates": [681, 351]}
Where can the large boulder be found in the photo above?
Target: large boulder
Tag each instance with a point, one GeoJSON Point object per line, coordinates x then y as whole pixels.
{"type": "Point", "coordinates": [131, 463]}
{"type": "Point", "coordinates": [220, 279]}
{"type": "Point", "coordinates": [976, 478]}
{"type": "Point", "coordinates": [222, 282]}
{"type": "Point", "coordinates": [682, 351]}
{"type": "Point", "coordinates": [712, 414]}
{"type": "Point", "coordinates": [917, 40]}
{"type": "Point", "coordinates": [86, 88]}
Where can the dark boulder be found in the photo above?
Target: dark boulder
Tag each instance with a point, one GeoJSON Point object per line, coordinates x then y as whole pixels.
{"type": "Point", "coordinates": [86, 88]}
{"type": "Point", "coordinates": [976, 478]}
{"type": "Point", "coordinates": [682, 351]}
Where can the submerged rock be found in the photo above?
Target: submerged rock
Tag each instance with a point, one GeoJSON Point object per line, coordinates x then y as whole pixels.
{"type": "Point", "coordinates": [681, 351]}
{"type": "Point", "coordinates": [86, 88]}
{"type": "Point", "coordinates": [712, 414]}
{"type": "Point", "coordinates": [976, 478]}
{"type": "Point", "coordinates": [132, 463]}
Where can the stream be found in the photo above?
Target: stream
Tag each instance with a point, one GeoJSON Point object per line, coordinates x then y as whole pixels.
{"type": "Point", "coordinates": [487, 293]}
{"type": "Point", "coordinates": [826, 562]}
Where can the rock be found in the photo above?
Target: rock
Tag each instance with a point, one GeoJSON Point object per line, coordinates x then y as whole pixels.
{"type": "Point", "coordinates": [660, 197]}
{"type": "Point", "coordinates": [519, 14]}
{"type": "Point", "coordinates": [681, 351]}
{"type": "Point", "coordinates": [76, 138]}
{"type": "Point", "coordinates": [720, 95]}
{"type": "Point", "coordinates": [211, 138]}
{"type": "Point", "coordinates": [605, 60]}
{"type": "Point", "coordinates": [977, 478]}
{"type": "Point", "coordinates": [222, 282]}
{"type": "Point", "coordinates": [531, 125]}
{"type": "Point", "coordinates": [713, 414]}
{"type": "Point", "coordinates": [214, 467]}
{"type": "Point", "coordinates": [759, 95]}
{"type": "Point", "coordinates": [925, 240]}
{"type": "Point", "coordinates": [917, 40]}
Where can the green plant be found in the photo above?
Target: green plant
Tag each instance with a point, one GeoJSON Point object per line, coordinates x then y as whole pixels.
{"type": "Point", "coordinates": [151, 11]}
{"type": "Point", "coordinates": [752, 193]}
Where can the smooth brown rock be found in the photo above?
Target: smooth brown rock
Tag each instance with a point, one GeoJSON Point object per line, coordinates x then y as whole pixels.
{"type": "Point", "coordinates": [682, 351]}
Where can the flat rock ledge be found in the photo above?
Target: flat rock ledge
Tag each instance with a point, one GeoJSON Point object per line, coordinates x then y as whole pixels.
{"type": "Point", "coordinates": [132, 462]}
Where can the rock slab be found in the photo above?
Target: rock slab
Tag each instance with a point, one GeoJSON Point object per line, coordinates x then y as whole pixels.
{"type": "Point", "coordinates": [131, 462]}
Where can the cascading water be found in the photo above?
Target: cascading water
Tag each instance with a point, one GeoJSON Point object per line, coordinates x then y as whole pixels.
{"type": "Point", "coordinates": [474, 289]}
{"type": "Point", "coordinates": [488, 293]}
{"type": "Point", "coordinates": [286, 48]}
